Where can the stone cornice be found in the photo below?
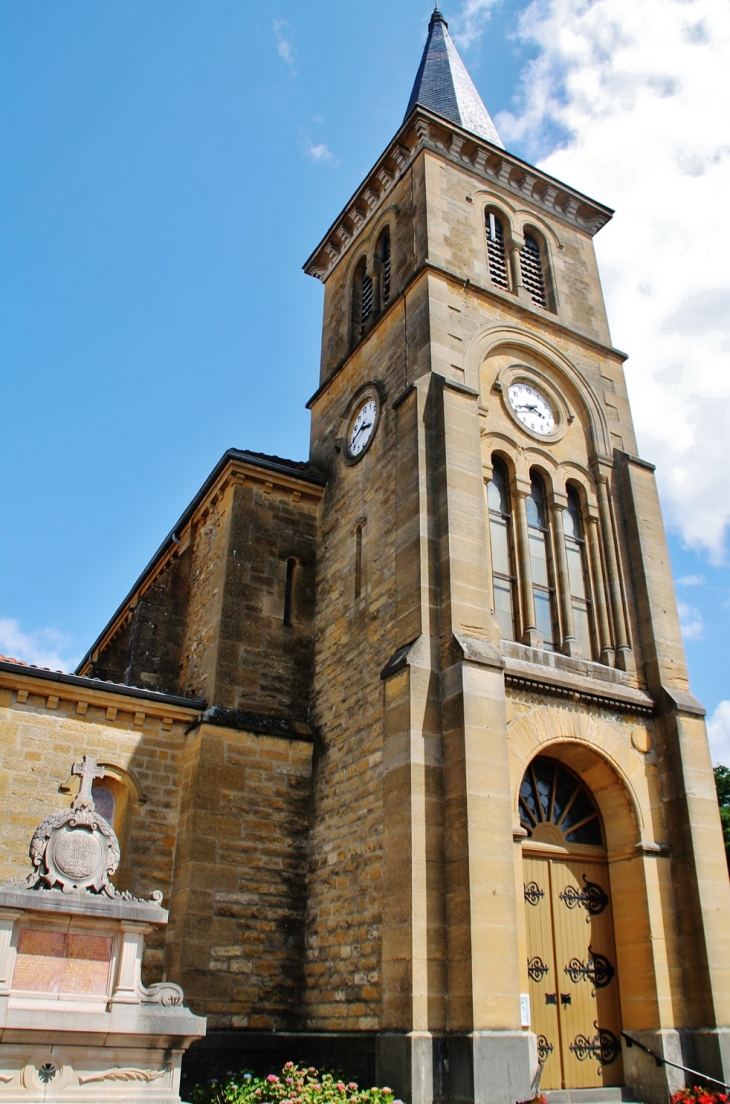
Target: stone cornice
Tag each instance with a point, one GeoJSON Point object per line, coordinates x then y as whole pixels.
{"type": "Point", "coordinates": [76, 693]}
{"type": "Point", "coordinates": [423, 130]}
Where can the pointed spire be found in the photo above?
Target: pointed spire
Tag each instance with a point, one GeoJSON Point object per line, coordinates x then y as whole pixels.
{"type": "Point", "coordinates": [444, 86]}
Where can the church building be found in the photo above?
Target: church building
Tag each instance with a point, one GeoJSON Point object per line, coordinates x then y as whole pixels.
{"type": "Point", "coordinates": [404, 732]}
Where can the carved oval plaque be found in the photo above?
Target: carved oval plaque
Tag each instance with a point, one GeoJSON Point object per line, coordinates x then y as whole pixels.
{"type": "Point", "coordinates": [77, 854]}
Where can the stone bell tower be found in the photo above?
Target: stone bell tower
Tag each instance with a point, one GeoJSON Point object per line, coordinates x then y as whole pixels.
{"type": "Point", "coordinates": [500, 685]}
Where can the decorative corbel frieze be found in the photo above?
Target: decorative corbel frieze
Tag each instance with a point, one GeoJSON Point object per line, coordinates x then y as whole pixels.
{"type": "Point", "coordinates": [357, 217]}
{"type": "Point", "coordinates": [385, 179]}
{"type": "Point", "coordinates": [401, 157]}
{"type": "Point", "coordinates": [344, 235]}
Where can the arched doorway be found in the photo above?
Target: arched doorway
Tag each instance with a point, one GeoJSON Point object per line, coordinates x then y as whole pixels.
{"type": "Point", "coordinates": [571, 955]}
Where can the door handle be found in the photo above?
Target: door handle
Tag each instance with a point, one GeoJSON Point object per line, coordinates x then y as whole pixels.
{"type": "Point", "coordinates": [551, 998]}
{"type": "Point", "coordinates": [565, 998]}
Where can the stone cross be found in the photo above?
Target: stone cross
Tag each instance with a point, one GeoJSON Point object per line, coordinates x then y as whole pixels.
{"type": "Point", "coordinates": [88, 771]}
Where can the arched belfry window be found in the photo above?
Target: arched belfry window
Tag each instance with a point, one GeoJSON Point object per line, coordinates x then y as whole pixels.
{"type": "Point", "coordinates": [384, 255]}
{"type": "Point", "coordinates": [495, 250]}
{"type": "Point", "coordinates": [500, 539]}
{"type": "Point", "coordinates": [539, 544]}
{"type": "Point", "coordinates": [555, 806]}
{"type": "Point", "coordinates": [533, 276]}
{"type": "Point", "coordinates": [578, 579]}
{"type": "Point", "coordinates": [362, 298]}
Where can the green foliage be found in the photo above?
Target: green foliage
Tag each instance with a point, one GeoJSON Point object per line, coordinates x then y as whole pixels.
{"type": "Point", "coordinates": [293, 1086]}
{"type": "Point", "coordinates": [722, 785]}
{"type": "Point", "coordinates": [699, 1095]}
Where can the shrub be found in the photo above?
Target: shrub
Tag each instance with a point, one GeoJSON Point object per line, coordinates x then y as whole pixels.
{"type": "Point", "coordinates": [699, 1096]}
{"type": "Point", "coordinates": [294, 1085]}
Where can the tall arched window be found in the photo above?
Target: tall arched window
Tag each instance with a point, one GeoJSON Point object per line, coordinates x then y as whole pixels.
{"type": "Point", "coordinates": [575, 551]}
{"type": "Point", "coordinates": [362, 298]}
{"type": "Point", "coordinates": [384, 254]}
{"type": "Point", "coordinates": [539, 539]}
{"type": "Point", "coordinates": [495, 250]}
{"type": "Point", "coordinates": [500, 539]}
{"type": "Point", "coordinates": [533, 277]}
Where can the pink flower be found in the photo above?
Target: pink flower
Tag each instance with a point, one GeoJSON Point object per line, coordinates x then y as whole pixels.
{"type": "Point", "coordinates": [340, 1085]}
{"type": "Point", "coordinates": [272, 1077]}
{"type": "Point", "coordinates": [352, 1085]}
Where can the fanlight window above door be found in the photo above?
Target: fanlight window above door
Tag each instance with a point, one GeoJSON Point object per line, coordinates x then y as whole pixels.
{"type": "Point", "coordinates": [555, 806]}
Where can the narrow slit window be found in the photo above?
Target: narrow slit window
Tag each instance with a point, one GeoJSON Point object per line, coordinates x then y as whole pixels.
{"type": "Point", "coordinates": [385, 260]}
{"type": "Point", "coordinates": [288, 589]}
{"type": "Point", "coordinates": [533, 277]}
{"type": "Point", "coordinates": [575, 551]}
{"type": "Point", "coordinates": [358, 561]}
{"type": "Point", "coordinates": [500, 539]}
{"type": "Point", "coordinates": [495, 251]}
{"type": "Point", "coordinates": [539, 543]}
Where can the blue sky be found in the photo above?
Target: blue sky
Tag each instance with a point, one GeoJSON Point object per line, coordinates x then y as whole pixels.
{"type": "Point", "coordinates": [166, 170]}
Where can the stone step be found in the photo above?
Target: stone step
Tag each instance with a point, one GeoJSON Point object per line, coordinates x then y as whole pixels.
{"type": "Point", "coordinates": [618, 1095]}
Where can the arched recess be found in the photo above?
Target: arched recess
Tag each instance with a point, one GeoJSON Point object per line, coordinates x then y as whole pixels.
{"type": "Point", "coordinates": [488, 341]}
{"type": "Point", "coordinates": [127, 798]}
{"type": "Point", "coordinates": [625, 790]}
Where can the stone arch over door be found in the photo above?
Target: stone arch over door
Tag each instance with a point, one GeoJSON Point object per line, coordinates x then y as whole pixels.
{"type": "Point", "coordinates": [625, 789]}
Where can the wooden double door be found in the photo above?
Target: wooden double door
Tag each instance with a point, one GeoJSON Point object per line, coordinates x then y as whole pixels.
{"type": "Point", "coordinates": [571, 962]}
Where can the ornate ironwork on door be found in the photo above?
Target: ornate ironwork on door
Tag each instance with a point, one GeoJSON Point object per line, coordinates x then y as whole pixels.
{"type": "Point", "coordinates": [598, 970]}
{"type": "Point", "coordinates": [593, 898]}
{"type": "Point", "coordinates": [604, 1047]}
{"type": "Point", "coordinates": [536, 968]}
{"type": "Point", "coordinates": [544, 1049]}
{"type": "Point", "coordinates": [533, 893]}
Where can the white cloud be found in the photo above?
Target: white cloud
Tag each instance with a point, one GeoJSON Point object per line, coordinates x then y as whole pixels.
{"type": "Point", "coordinates": [284, 45]}
{"type": "Point", "coordinates": [690, 580]}
{"type": "Point", "coordinates": [42, 647]}
{"type": "Point", "coordinates": [690, 621]}
{"type": "Point", "coordinates": [718, 730]}
{"type": "Point", "coordinates": [629, 102]}
{"type": "Point", "coordinates": [471, 21]}
{"type": "Point", "coordinates": [318, 152]}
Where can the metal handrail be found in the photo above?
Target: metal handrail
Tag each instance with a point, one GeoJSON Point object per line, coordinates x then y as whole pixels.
{"type": "Point", "coordinates": [660, 1061]}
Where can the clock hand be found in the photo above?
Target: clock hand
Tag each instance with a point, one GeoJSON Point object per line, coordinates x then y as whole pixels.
{"type": "Point", "coordinates": [365, 425]}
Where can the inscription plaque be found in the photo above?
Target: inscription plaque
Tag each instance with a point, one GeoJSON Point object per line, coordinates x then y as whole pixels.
{"type": "Point", "coordinates": [62, 963]}
{"type": "Point", "coordinates": [78, 853]}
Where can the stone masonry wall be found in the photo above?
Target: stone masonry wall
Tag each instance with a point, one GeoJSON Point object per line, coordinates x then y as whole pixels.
{"type": "Point", "coordinates": [237, 914]}
{"type": "Point", "coordinates": [55, 726]}
{"type": "Point", "coordinates": [263, 664]}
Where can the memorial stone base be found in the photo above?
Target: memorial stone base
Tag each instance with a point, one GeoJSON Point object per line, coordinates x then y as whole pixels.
{"type": "Point", "coordinates": [76, 1023]}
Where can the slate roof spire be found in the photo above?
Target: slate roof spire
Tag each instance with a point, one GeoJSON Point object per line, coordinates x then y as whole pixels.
{"type": "Point", "coordinates": [444, 86]}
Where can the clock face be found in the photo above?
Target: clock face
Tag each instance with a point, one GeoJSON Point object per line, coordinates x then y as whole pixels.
{"type": "Point", "coordinates": [532, 408]}
{"type": "Point", "coordinates": [361, 429]}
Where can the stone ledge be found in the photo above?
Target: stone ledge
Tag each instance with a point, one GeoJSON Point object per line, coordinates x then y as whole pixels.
{"type": "Point", "coordinates": [684, 702]}
{"type": "Point", "coordinates": [579, 680]}
{"type": "Point", "coordinates": [245, 721]}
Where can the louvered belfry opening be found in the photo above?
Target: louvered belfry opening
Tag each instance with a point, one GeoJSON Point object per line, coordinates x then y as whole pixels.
{"type": "Point", "coordinates": [366, 300]}
{"type": "Point", "coordinates": [532, 274]}
{"type": "Point", "coordinates": [385, 259]}
{"type": "Point", "coordinates": [495, 251]}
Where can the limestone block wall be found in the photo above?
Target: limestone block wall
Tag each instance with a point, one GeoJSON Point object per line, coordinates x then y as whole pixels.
{"type": "Point", "coordinates": [402, 214]}
{"type": "Point", "coordinates": [262, 663]}
{"type": "Point", "coordinates": [456, 204]}
{"type": "Point", "coordinates": [236, 931]}
{"type": "Point", "coordinates": [354, 637]}
{"type": "Point", "coordinates": [209, 619]}
{"type": "Point", "coordinates": [46, 726]}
